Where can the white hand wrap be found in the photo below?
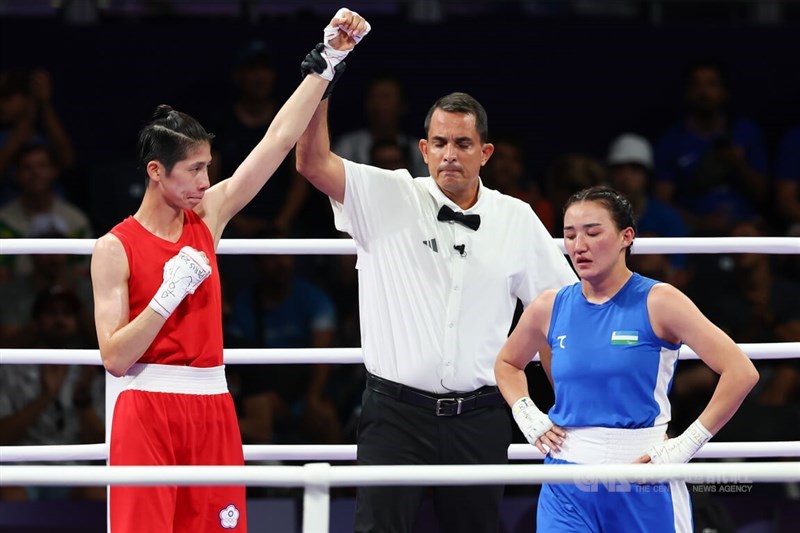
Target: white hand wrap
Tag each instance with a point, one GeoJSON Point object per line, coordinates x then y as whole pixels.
{"type": "Point", "coordinates": [182, 275]}
{"type": "Point", "coordinates": [681, 448]}
{"type": "Point", "coordinates": [530, 419]}
{"type": "Point", "coordinates": [333, 56]}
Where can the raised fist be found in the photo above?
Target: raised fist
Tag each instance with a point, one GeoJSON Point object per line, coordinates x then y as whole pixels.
{"type": "Point", "coordinates": [345, 30]}
{"type": "Point", "coordinates": [340, 36]}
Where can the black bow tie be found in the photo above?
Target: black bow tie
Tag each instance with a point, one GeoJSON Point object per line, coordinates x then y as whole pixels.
{"type": "Point", "coordinates": [470, 221]}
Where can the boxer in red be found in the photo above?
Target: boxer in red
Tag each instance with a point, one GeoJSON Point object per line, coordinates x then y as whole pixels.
{"type": "Point", "coordinates": [158, 305]}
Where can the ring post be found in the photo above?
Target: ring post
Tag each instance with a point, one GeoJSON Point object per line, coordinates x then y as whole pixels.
{"type": "Point", "coordinates": [317, 498]}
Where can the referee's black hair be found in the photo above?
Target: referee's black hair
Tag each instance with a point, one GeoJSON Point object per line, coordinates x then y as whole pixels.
{"type": "Point", "coordinates": [615, 203]}
{"type": "Point", "coordinates": [461, 103]}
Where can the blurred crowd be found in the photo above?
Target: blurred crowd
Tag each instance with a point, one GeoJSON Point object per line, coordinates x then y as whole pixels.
{"type": "Point", "coordinates": [710, 174]}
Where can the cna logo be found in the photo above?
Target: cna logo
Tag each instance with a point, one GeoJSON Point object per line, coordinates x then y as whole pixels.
{"type": "Point", "coordinates": [229, 517]}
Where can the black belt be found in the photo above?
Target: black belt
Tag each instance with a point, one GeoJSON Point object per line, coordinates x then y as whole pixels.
{"type": "Point", "coordinates": [442, 405]}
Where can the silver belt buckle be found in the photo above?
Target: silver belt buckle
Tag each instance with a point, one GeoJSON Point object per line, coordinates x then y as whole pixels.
{"type": "Point", "coordinates": [448, 401]}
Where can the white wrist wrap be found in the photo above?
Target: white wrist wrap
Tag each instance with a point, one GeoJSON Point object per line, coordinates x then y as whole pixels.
{"type": "Point", "coordinates": [182, 275]}
{"type": "Point", "coordinates": [683, 447]}
{"type": "Point", "coordinates": [331, 55]}
{"type": "Point", "coordinates": [531, 421]}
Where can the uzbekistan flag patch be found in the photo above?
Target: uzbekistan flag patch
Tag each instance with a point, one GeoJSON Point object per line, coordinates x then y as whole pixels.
{"type": "Point", "coordinates": [625, 337]}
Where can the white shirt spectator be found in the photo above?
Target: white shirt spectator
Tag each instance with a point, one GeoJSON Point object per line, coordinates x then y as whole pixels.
{"type": "Point", "coordinates": [63, 219]}
{"type": "Point", "coordinates": [356, 146]}
{"type": "Point", "coordinates": [432, 317]}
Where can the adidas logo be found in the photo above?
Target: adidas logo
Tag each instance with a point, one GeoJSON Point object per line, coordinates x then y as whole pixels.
{"type": "Point", "coordinates": [432, 245]}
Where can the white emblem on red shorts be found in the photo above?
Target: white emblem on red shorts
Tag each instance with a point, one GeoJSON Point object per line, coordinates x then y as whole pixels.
{"type": "Point", "coordinates": [229, 517]}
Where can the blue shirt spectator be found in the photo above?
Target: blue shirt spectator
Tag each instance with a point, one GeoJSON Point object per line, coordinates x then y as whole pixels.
{"type": "Point", "coordinates": [291, 324]}
{"type": "Point", "coordinates": [711, 166]}
{"type": "Point", "coordinates": [283, 402]}
{"type": "Point", "coordinates": [703, 183]}
{"type": "Point", "coordinates": [787, 180]}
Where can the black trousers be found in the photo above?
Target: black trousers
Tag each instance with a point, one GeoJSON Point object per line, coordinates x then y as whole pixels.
{"type": "Point", "coordinates": [391, 432]}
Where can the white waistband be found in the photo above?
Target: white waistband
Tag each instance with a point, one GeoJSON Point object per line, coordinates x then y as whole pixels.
{"type": "Point", "coordinates": [176, 379]}
{"type": "Point", "coordinates": [596, 445]}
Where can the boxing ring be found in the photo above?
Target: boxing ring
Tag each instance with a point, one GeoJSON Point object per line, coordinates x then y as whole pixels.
{"type": "Point", "coordinates": [318, 475]}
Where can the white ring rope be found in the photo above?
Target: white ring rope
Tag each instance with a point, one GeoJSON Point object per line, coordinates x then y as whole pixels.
{"type": "Point", "coordinates": [347, 452]}
{"type": "Point", "coordinates": [234, 356]}
{"type": "Point", "coordinates": [241, 356]}
{"type": "Point", "coordinates": [369, 475]}
{"type": "Point", "coordinates": [643, 245]}
{"type": "Point", "coordinates": [54, 452]}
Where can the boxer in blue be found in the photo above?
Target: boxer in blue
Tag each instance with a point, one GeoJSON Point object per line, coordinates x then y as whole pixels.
{"type": "Point", "coordinates": [614, 337]}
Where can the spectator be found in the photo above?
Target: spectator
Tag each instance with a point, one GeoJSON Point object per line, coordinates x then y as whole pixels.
{"type": "Point", "coordinates": [389, 154]}
{"type": "Point", "coordinates": [384, 107]}
{"type": "Point", "coordinates": [241, 127]}
{"type": "Point", "coordinates": [48, 271]}
{"type": "Point", "coordinates": [711, 165]}
{"type": "Point", "coordinates": [341, 283]}
{"type": "Point", "coordinates": [567, 175]}
{"type": "Point", "coordinates": [506, 172]}
{"type": "Point", "coordinates": [283, 310]}
{"type": "Point", "coordinates": [37, 208]}
{"type": "Point", "coordinates": [787, 196]}
{"type": "Point", "coordinates": [52, 404]}
{"type": "Point", "coordinates": [630, 167]}
{"type": "Point", "coordinates": [749, 300]}
{"type": "Point", "coordinates": [787, 180]}
{"type": "Point", "coordinates": [28, 116]}
{"type": "Point", "coordinates": [238, 128]}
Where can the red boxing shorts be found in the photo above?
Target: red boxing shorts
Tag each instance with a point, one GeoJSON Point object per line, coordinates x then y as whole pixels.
{"type": "Point", "coordinates": [170, 415]}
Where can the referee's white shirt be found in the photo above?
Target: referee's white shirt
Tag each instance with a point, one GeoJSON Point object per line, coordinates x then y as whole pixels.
{"type": "Point", "coordinates": [432, 318]}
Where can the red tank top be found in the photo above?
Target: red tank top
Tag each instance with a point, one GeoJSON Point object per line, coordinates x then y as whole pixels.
{"type": "Point", "coordinates": [192, 335]}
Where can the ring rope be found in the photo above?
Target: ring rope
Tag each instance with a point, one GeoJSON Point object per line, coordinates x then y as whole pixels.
{"type": "Point", "coordinates": [347, 452]}
{"type": "Point", "coordinates": [643, 245]}
{"type": "Point", "coordinates": [241, 356]}
{"type": "Point", "coordinates": [323, 474]}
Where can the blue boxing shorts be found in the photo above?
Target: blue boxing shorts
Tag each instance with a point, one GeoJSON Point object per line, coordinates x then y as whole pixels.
{"type": "Point", "coordinates": [618, 506]}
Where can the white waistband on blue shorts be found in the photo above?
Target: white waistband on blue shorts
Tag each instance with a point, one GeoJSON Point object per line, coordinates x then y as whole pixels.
{"type": "Point", "coordinates": [597, 445]}
{"type": "Point", "coordinates": [176, 379]}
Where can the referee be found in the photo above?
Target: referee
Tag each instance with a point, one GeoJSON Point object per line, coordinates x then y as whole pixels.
{"type": "Point", "coordinates": [441, 262]}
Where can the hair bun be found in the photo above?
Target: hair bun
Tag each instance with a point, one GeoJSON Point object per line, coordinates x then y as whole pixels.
{"type": "Point", "coordinates": [162, 111]}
